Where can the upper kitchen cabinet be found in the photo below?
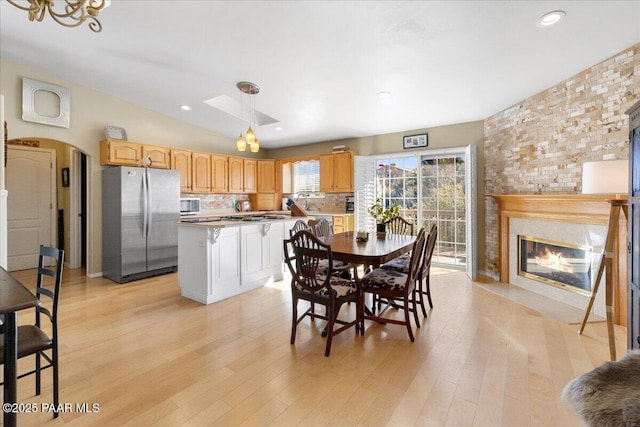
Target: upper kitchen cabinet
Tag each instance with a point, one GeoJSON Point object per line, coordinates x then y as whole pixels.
{"type": "Point", "coordinates": [236, 175]}
{"type": "Point", "coordinates": [219, 173]}
{"type": "Point", "coordinates": [116, 152]}
{"type": "Point", "coordinates": [181, 161]}
{"type": "Point", "coordinates": [278, 175]}
{"type": "Point", "coordinates": [250, 175]}
{"type": "Point", "coordinates": [201, 172]}
{"type": "Point", "coordinates": [336, 173]}
{"type": "Point", "coordinates": [266, 176]}
{"type": "Point", "coordinates": [160, 156]}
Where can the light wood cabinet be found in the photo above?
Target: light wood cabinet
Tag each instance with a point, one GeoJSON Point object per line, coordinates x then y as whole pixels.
{"type": "Point", "coordinates": [219, 173]}
{"type": "Point", "coordinates": [250, 176]}
{"type": "Point", "coordinates": [343, 172]}
{"type": "Point", "coordinates": [342, 223]}
{"type": "Point", "coordinates": [336, 173]}
{"type": "Point", "coordinates": [181, 161]}
{"type": "Point", "coordinates": [201, 181]}
{"type": "Point", "coordinates": [236, 175]}
{"type": "Point", "coordinates": [115, 152]}
{"type": "Point", "coordinates": [265, 201]}
{"type": "Point", "coordinates": [266, 176]}
{"type": "Point", "coordinates": [326, 173]}
{"type": "Point", "coordinates": [160, 156]}
{"type": "Point", "coordinates": [277, 173]}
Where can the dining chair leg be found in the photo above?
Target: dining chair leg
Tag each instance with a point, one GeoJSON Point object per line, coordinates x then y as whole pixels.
{"type": "Point", "coordinates": [420, 292]}
{"type": "Point", "coordinates": [313, 311]}
{"type": "Point", "coordinates": [56, 397]}
{"type": "Point", "coordinates": [414, 305]}
{"type": "Point", "coordinates": [294, 319]}
{"type": "Point", "coordinates": [38, 364]}
{"type": "Point", "coordinates": [331, 315]}
{"type": "Point", "coordinates": [407, 319]}
{"type": "Point", "coordinates": [428, 291]}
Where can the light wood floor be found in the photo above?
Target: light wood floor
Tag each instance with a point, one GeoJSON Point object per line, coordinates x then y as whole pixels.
{"type": "Point", "coordinates": [147, 356]}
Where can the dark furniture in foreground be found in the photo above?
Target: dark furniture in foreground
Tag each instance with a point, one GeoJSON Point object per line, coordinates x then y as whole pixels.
{"type": "Point", "coordinates": [32, 339]}
{"type": "Point", "coordinates": [13, 298]}
{"type": "Point", "coordinates": [314, 280]}
{"type": "Point", "coordinates": [392, 285]}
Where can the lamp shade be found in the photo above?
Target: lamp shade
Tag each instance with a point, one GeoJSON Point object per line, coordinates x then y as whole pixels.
{"type": "Point", "coordinates": [605, 177]}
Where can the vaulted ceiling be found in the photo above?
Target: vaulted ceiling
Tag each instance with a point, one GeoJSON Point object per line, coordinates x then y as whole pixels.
{"type": "Point", "coordinates": [321, 64]}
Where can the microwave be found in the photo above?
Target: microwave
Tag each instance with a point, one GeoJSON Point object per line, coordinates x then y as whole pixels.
{"type": "Point", "coordinates": [350, 203]}
{"type": "Point", "coordinates": [189, 206]}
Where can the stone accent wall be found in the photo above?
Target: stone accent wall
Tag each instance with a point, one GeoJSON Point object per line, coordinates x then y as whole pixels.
{"type": "Point", "coordinates": [538, 146]}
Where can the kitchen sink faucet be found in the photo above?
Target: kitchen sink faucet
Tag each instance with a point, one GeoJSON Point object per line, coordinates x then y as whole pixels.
{"type": "Point", "coordinates": [306, 200]}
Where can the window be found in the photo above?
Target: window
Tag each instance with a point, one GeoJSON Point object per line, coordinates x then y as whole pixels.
{"type": "Point", "coordinates": [306, 176]}
{"type": "Point", "coordinates": [435, 186]}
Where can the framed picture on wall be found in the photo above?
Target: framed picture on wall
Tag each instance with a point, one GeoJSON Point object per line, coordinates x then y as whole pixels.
{"type": "Point", "coordinates": [415, 141]}
{"type": "Point", "coordinates": [65, 177]}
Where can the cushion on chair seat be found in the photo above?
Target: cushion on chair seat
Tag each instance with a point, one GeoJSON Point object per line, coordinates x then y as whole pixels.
{"type": "Point", "coordinates": [381, 278]}
{"type": "Point", "coordinates": [323, 265]}
{"type": "Point", "coordinates": [30, 340]}
{"type": "Point", "coordinates": [342, 286]}
{"type": "Point", "coordinates": [400, 264]}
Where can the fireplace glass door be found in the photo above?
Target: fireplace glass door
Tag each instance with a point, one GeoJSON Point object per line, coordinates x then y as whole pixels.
{"type": "Point", "coordinates": [560, 264]}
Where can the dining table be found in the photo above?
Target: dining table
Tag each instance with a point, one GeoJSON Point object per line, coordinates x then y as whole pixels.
{"type": "Point", "coordinates": [14, 296]}
{"type": "Point", "coordinates": [377, 249]}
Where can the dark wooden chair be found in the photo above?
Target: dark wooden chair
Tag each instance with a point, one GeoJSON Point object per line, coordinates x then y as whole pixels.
{"type": "Point", "coordinates": [319, 285]}
{"type": "Point", "coordinates": [32, 339]}
{"type": "Point", "coordinates": [299, 225]}
{"type": "Point", "coordinates": [392, 285]}
{"type": "Point", "coordinates": [399, 225]}
{"type": "Point", "coordinates": [323, 228]}
{"type": "Point", "coordinates": [423, 286]}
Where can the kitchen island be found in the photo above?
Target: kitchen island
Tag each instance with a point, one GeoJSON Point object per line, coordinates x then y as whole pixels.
{"type": "Point", "coordinates": [222, 257]}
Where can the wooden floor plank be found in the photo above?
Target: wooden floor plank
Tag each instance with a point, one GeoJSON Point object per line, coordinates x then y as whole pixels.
{"type": "Point", "coordinates": [147, 356]}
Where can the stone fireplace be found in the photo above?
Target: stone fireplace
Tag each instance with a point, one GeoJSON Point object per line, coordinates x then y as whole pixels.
{"type": "Point", "coordinates": [573, 228]}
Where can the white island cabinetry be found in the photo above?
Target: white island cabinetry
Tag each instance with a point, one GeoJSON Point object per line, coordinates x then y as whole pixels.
{"type": "Point", "coordinates": [261, 253]}
{"type": "Point", "coordinates": [217, 262]}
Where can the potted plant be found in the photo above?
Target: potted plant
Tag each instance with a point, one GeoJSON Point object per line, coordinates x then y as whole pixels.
{"type": "Point", "coordinates": [382, 214]}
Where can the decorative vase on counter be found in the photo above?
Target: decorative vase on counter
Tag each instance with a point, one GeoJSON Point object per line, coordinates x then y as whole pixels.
{"type": "Point", "coordinates": [381, 228]}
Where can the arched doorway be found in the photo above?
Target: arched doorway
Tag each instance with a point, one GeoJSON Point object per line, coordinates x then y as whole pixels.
{"type": "Point", "coordinates": [69, 204]}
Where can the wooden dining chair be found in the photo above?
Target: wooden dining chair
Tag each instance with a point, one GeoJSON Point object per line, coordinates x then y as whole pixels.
{"type": "Point", "coordinates": [321, 286]}
{"type": "Point", "coordinates": [423, 286]}
{"type": "Point", "coordinates": [392, 285]}
{"type": "Point", "coordinates": [32, 339]}
{"type": "Point", "coordinates": [323, 228]}
{"type": "Point", "coordinates": [399, 225]}
{"type": "Point", "coordinates": [299, 225]}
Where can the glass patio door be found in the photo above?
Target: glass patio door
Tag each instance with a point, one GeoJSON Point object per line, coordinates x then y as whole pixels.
{"type": "Point", "coordinates": [430, 187]}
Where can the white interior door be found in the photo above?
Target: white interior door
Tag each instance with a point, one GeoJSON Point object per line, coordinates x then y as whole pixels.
{"type": "Point", "coordinates": [31, 204]}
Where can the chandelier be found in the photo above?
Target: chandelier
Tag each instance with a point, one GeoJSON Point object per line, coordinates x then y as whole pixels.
{"type": "Point", "coordinates": [249, 137]}
{"type": "Point", "coordinates": [74, 12]}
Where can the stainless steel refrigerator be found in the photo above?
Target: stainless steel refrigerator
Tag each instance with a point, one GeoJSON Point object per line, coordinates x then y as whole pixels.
{"type": "Point", "coordinates": [140, 211]}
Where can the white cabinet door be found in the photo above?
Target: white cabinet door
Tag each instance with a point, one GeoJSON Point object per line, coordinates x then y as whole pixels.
{"type": "Point", "coordinates": [273, 247]}
{"type": "Point", "coordinates": [251, 253]}
{"type": "Point", "coordinates": [224, 280]}
{"type": "Point", "coordinates": [262, 255]}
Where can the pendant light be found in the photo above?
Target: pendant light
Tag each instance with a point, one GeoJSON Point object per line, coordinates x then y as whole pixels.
{"type": "Point", "coordinates": [250, 136]}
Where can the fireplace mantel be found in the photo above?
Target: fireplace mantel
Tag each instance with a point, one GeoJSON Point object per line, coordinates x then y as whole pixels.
{"type": "Point", "coordinates": [571, 208]}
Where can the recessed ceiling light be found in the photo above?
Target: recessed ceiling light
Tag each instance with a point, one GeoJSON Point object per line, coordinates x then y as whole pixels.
{"type": "Point", "coordinates": [384, 94]}
{"type": "Point", "coordinates": [551, 18]}
{"type": "Point", "coordinates": [185, 108]}
{"type": "Point", "coordinates": [278, 128]}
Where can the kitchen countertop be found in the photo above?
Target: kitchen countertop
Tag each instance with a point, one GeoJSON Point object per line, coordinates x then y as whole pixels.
{"type": "Point", "coordinates": [222, 219]}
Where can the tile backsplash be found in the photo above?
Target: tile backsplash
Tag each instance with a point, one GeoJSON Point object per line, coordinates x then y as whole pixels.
{"type": "Point", "coordinates": [332, 202]}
